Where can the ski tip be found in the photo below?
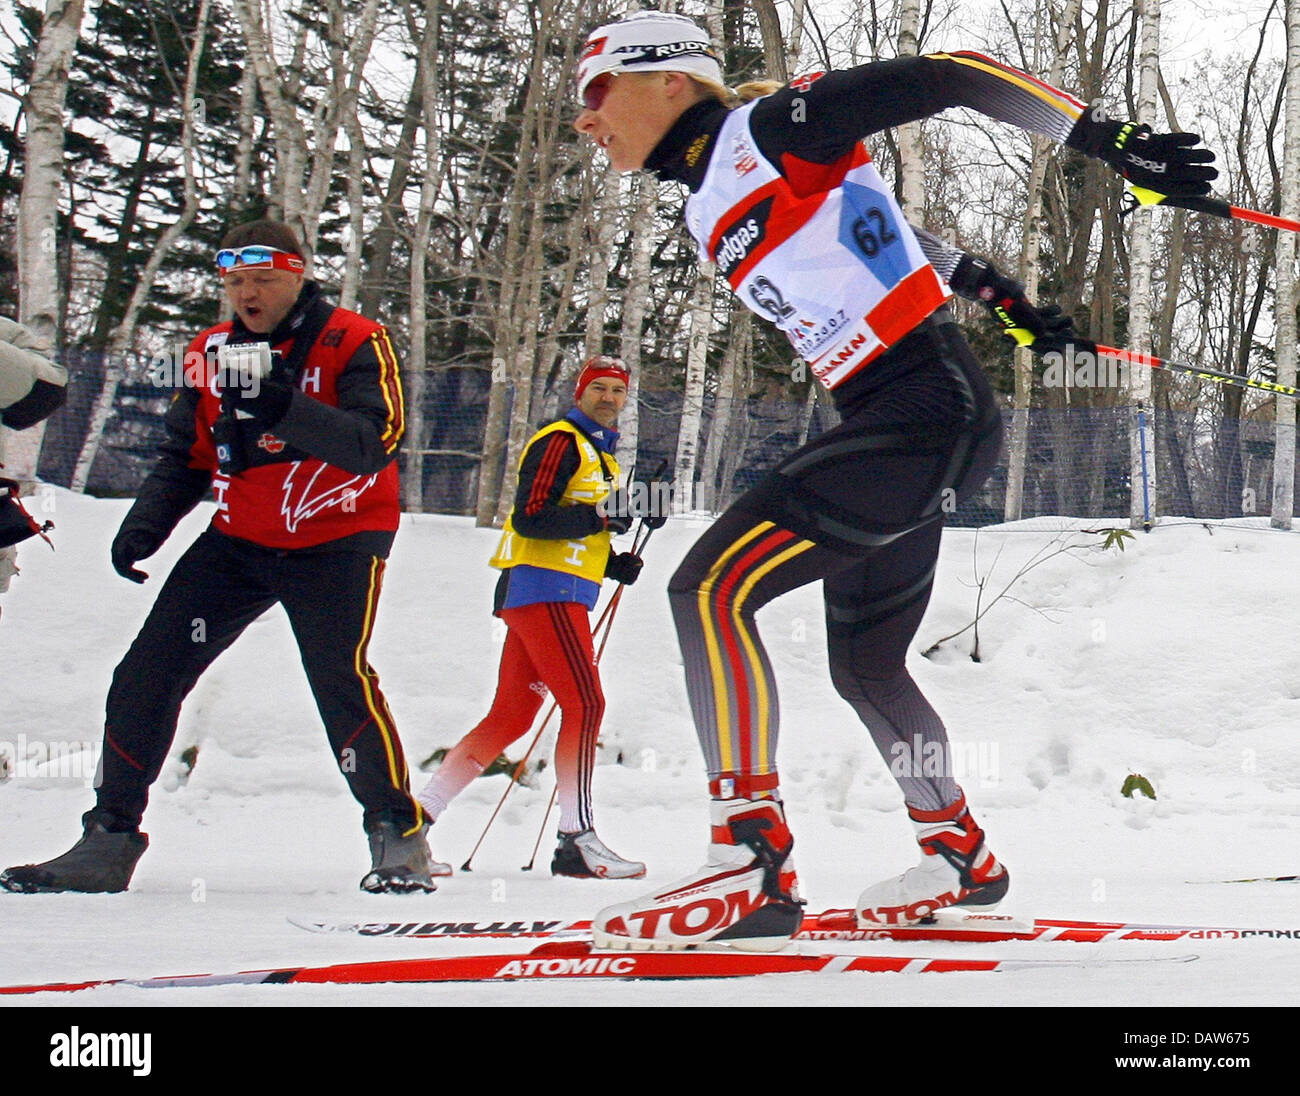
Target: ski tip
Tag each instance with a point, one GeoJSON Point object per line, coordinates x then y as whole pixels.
{"type": "Point", "coordinates": [1254, 879]}
{"type": "Point", "coordinates": [314, 926]}
{"type": "Point", "coordinates": [1260, 879]}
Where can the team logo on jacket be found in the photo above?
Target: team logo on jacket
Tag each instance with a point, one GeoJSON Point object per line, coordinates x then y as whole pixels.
{"type": "Point", "coordinates": [696, 149]}
{"type": "Point", "coordinates": [804, 82]}
{"type": "Point", "coordinates": [270, 443]}
{"type": "Point", "coordinates": [305, 496]}
{"type": "Point", "coordinates": [741, 237]}
{"type": "Point", "coordinates": [743, 156]}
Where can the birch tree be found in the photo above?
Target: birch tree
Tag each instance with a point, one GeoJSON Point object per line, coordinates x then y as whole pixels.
{"type": "Point", "coordinates": [1142, 505]}
{"type": "Point", "coordinates": [911, 164]}
{"type": "Point", "coordinates": [1285, 431]}
{"type": "Point", "coordinates": [380, 247]}
{"type": "Point", "coordinates": [38, 206]}
{"type": "Point", "coordinates": [524, 269]}
{"type": "Point", "coordinates": [243, 183]}
{"type": "Point", "coordinates": [701, 329]}
{"type": "Point", "coordinates": [123, 335]}
{"type": "Point", "coordinates": [729, 407]}
{"type": "Point", "coordinates": [305, 148]}
{"type": "Point", "coordinates": [417, 358]}
{"type": "Point", "coordinates": [599, 249]}
{"type": "Point", "coordinates": [1031, 246]}
{"type": "Point", "coordinates": [688, 431]}
{"type": "Point", "coordinates": [635, 302]}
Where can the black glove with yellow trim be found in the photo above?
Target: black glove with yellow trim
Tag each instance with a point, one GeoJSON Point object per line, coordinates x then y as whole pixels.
{"type": "Point", "coordinates": [1168, 163]}
{"type": "Point", "coordinates": [1044, 330]}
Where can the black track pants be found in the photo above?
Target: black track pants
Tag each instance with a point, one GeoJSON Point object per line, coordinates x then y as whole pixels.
{"type": "Point", "coordinates": [219, 587]}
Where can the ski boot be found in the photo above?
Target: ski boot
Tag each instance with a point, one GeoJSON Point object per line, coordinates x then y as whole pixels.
{"type": "Point", "coordinates": [102, 862]}
{"type": "Point", "coordinates": [585, 856]}
{"type": "Point", "coordinates": [399, 863]}
{"type": "Point", "coordinates": [956, 869]}
{"type": "Point", "coordinates": [745, 895]}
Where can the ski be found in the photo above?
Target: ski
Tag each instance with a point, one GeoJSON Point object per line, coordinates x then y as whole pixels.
{"type": "Point", "coordinates": [1256, 879]}
{"type": "Point", "coordinates": [450, 930]}
{"type": "Point", "coordinates": [563, 959]}
{"type": "Point", "coordinates": [830, 925]}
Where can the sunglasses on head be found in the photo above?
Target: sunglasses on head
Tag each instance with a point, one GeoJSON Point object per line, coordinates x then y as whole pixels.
{"type": "Point", "coordinates": [258, 255]}
{"type": "Point", "coordinates": [593, 95]}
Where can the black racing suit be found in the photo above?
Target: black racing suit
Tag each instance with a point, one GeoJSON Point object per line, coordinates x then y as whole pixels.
{"type": "Point", "coordinates": [862, 507]}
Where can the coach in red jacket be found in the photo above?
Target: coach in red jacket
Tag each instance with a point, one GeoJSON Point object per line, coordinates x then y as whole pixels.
{"type": "Point", "coordinates": [291, 414]}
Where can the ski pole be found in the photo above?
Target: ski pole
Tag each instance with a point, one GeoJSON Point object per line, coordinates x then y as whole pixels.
{"type": "Point", "coordinates": [541, 830]}
{"type": "Point", "coordinates": [1216, 207]}
{"type": "Point", "coordinates": [1214, 375]}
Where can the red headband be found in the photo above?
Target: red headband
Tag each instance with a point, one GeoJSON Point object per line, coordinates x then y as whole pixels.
{"type": "Point", "coordinates": [597, 367]}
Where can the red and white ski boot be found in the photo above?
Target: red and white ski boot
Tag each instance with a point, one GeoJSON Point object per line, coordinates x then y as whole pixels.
{"type": "Point", "coordinates": [583, 855]}
{"type": "Point", "coordinates": [745, 896]}
{"type": "Point", "coordinates": [956, 869]}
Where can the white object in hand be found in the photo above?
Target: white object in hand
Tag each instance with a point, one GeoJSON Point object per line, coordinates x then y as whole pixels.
{"type": "Point", "coordinates": [244, 366]}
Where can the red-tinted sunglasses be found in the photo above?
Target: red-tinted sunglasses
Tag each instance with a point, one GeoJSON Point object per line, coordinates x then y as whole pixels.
{"type": "Point", "coordinates": [593, 95]}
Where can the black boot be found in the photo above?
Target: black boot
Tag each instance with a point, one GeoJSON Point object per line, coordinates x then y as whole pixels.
{"type": "Point", "coordinates": [102, 862]}
{"type": "Point", "coordinates": [398, 864]}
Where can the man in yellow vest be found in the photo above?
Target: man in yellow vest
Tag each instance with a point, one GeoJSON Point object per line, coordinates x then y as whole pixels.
{"type": "Point", "coordinates": [554, 552]}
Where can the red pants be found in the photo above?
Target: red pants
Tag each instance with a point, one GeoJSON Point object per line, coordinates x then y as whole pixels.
{"type": "Point", "coordinates": [548, 646]}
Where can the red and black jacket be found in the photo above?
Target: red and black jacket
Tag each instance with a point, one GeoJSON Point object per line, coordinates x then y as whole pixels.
{"type": "Point", "coordinates": [324, 474]}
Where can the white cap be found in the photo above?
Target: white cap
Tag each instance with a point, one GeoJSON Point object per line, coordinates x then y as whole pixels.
{"type": "Point", "coordinates": [647, 41]}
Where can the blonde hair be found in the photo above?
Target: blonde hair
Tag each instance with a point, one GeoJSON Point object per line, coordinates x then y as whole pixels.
{"type": "Point", "coordinates": [732, 98]}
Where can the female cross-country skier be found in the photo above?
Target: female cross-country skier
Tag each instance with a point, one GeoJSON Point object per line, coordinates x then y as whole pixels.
{"type": "Point", "coordinates": [786, 201]}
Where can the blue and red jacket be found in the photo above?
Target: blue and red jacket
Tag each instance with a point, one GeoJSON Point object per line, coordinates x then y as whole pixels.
{"type": "Point", "coordinates": [549, 462]}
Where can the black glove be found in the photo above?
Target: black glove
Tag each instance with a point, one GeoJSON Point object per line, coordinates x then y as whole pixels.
{"type": "Point", "coordinates": [1043, 330]}
{"type": "Point", "coordinates": [623, 567]}
{"type": "Point", "coordinates": [130, 546]}
{"type": "Point", "coordinates": [1054, 333]}
{"type": "Point", "coordinates": [624, 507]}
{"type": "Point", "coordinates": [1168, 163]}
{"type": "Point", "coordinates": [617, 511]}
{"type": "Point", "coordinates": [267, 401]}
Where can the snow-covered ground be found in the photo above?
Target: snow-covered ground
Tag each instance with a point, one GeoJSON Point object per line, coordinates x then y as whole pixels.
{"type": "Point", "coordinates": [1175, 659]}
